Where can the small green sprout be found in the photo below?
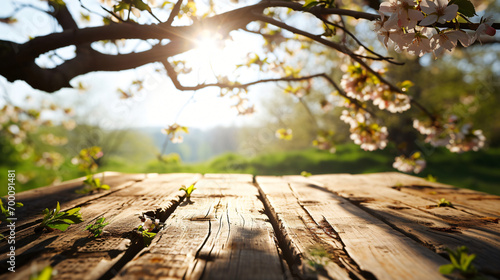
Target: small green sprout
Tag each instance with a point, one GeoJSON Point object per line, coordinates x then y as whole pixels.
{"type": "Point", "coordinates": [444, 203]}
{"type": "Point", "coordinates": [92, 184]}
{"type": "Point", "coordinates": [45, 274]}
{"type": "Point", "coordinates": [431, 178]}
{"type": "Point", "coordinates": [147, 236]}
{"type": "Point", "coordinates": [96, 228]}
{"type": "Point", "coordinates": [319, 257]}
{"type": "Point", "coordinates": [305, 174]}
{"type": "Point", "coordinates": [148, 229]}
{"type": "Point", "coordinates": [6, 212]}
{"type": "Point", "coordinates": [57, 219]}
{"type": "Point", "coordinates": [461, 261]}
{"type": "Point", "coordinates": [188, 191]}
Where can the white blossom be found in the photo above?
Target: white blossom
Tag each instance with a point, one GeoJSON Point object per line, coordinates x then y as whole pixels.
{"type": "Point", "coordinates": [437, 11]}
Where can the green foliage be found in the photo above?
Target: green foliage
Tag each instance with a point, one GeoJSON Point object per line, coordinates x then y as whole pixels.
{"type": "Point", "coordinates": [305, 174]}
{"type": "Point", "coordinates": [45, 274]}
{"type": "Point", "coordinates": [57, 219]}
{"type": "Point", "coordinates": [188, 190]}
{"type": "Point", "coordinates": [147, 236]}
{"type": "Point", "coordinates": [87, 159]}
{"type": "Point", "coordinates": [461, 261]}
{"type": "Point", "coordinates": [444, 203]}
{"type": "Point", "coordinates": [465, 7]}
{"type": "Point", "coordinates": [6, 211]}
{"type": "Point", "coordinates": [92, 184]}
{"type": "Point", "coordinates": [319, 257]}
{"type": "Point", "coordinates": [127, 4]}
{"type": "Point", "coordinates": [97, 227]}
{"type": "Point", "coordinates": [431, 178]}
{"type": "Point", "coordinates": [405, 85]}
{"type": "Point", "coordinates": [323, 3]}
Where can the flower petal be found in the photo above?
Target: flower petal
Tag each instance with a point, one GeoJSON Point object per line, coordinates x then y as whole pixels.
{"type": "Point", "coordinates": [449, 13]}
{"type": "Point", "coordinates": [428, 20]}
{"type": "Point", "coordinates": [428, 6]}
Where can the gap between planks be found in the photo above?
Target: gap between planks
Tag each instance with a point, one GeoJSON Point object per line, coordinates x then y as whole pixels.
{"type": "Point", "coordinates": [222, 235]}
{"type": "Point", "coordinates": [74, 255]}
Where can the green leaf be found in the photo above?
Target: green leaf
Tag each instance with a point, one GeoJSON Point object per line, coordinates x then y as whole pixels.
{"type": "Point", "coordinates": [105, 187]}
{"type": "Point", "coordinates": [57, 219]}
{"type": "Point", "coordinates": [465, 7]}
{"type": "Point", "coordinates": [454, 260]}
{"type": "Point", "coordinates": [305, 174]}
{"type": "Point", "coordinates": [45, 274]}
{"type": "Point", "coordinates": [62, 226]}
{"type": "Point", "coordinates": [148, 237]}
{"type": "Point", "coordinates": [466, 265]}
{"type": "Point", "coordinates": [446, 269]}
{"type": "Point", "coordinates": [310, 3]}
{"type": "Point", "coordinates": [121, 6]}
{"type": "Point", "coordinates": [141, 5]}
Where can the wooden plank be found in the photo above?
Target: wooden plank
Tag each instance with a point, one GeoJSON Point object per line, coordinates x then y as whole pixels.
{"type": "Point", "coordinates": [65, 192]}
{"type": "Point", "coordinates": [230, 177]}
{"type": "Point", "coordinates": [475, 202]}
{"type": "Point", "coordinates": [303, 238]}
{"type": "Point", "coordinates": [222, 235]}
{"type": "Point", "coordinates": [74, 255]}
{"type": "Point", "coordinates": [436, 228]}
{"type": "Point", "coordinates": [372, 244]}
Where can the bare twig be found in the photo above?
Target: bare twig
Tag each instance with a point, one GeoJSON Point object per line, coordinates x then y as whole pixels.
{"type": "Point", "coordinates": [113, 14]}
{"type": "Point", "coordinates": [378, 56]}
{"type": "Point", "coordinates": [173, 76]}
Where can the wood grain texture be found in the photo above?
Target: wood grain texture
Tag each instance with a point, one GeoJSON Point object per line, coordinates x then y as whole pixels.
{"type": "Point", "coordinates": [371, 243]}
{"type": "Point", "coordinates": [371, 226]}
{"type": "Point", "coordinates": [77, 256]}
{"type": "Point", "coordinates": [434, 227]}
{"type": "Point", "coordinates": [304, 238]}
{"type": "Point", "coordinates": [222, 235]}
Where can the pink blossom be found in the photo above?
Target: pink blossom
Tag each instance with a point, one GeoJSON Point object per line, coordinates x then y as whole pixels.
{"type": "Point", "coordinates": [483, 28]}
{"type": "Point", "coordinates": [448, 41]}
{"type": "Point", "coordinates": [420, 41]}
{"type": "Point", "coordinates": [391, 101]}
{"type": "Point", "coordinates": [413, 164]}
{"type": "Point", "coordinates": [437, 11]}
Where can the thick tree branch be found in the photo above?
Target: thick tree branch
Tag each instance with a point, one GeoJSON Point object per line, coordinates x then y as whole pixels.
{"type": "Point", "coordinates": [87, 61]}
{"type": "Point", "coordinates": [18, 59]}
{"type": "Point", "coordinates": [62, 15]}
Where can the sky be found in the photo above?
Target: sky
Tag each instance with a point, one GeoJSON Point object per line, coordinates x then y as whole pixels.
{"type": "Point", "coordinates": [159, 104]}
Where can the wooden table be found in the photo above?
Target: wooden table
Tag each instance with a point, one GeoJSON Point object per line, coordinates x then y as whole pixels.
{"type": "Point", "coordinates": [338, 226]}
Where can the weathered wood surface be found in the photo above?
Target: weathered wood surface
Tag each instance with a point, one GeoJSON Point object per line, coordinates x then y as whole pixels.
{"type": "Point", "coordinates": [342, 226]}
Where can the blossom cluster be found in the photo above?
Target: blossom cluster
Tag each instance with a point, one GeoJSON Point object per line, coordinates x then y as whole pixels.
{"type": "Point", "coordinates": [363, 86]}
{"type": "Point", "coordinates": [452, 134]}
{"type": "Point", "coordinates": [173, 131]}
{"type": "Point", "coordinates": [50, 160]}
{"type": "Point", "coordinates": [414, 163]}
{"type": "Point", "coordinates": [87, 159]}
{"type": "Point", "coordinates": [413, 26]}
{"type": "Point", "coordinates": [324, 141]}
{"type": "Point", "coordinates": [364, 131]}
{"type": "Point", "coordinates": [284, 134]}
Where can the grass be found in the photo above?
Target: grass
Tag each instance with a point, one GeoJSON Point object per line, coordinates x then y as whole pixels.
{"type": "Point", "coordinates": [473, 170]}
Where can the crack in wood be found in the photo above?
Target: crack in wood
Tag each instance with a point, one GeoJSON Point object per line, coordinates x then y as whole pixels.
{"type": "Point", "coordinates": [340, 255]}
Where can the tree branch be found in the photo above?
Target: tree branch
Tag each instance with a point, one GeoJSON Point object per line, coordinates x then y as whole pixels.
{"type": "Point", "coordinates": [174, 12]}
{"type": "Point", "coordinates": [87, 61]}
{"type": "Point", "coordinates": [172, 74]}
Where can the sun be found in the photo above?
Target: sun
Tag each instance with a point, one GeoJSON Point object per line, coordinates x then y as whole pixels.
{"type": "Point", "coordinates": [217, 56]}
